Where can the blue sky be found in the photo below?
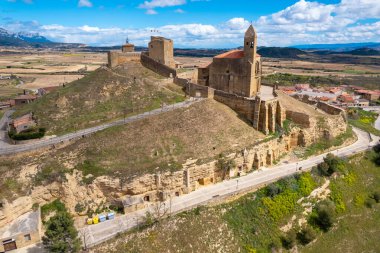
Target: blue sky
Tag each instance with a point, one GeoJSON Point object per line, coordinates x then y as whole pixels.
{"type": "Point", "coordinates": [195, 23]}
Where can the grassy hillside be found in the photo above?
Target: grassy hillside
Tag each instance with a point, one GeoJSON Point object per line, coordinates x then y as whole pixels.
{"type": "Point", "coordinates": [100, 97]}
{"type": "Point", "coordinates": [157, 143]}
{"type": "Point", "coordinates": [165, 141]}
{"type": "Point", "coordinates": [273, 218]}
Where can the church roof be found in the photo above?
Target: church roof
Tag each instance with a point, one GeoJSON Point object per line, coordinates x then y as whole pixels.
{"type": "Point", "coordinates": [233, 54]}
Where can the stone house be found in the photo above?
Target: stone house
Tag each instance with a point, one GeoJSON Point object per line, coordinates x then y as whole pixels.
{"type": "Point", "coordinates": [24, 99]}
{"type": "Point", "coordinates": [22, 123]}
{"type": "Point", "coordinates": [22, 232]}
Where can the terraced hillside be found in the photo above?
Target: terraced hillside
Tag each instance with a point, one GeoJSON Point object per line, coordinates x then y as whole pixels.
{"type": "Point", "coordinates": [102, 96]}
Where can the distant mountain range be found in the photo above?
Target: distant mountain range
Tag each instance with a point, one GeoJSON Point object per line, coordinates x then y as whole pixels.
{"type": "Point", "coordinates": [339, 47]}
{"type": "Point", "coordinates": [24, 39]}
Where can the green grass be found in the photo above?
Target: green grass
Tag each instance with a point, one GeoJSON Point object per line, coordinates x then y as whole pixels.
{"type": "Point", "coordinates": [363, 120]}
{"type": "Point", "coordinates": [357, 229]}
{"type": "Point", "coordinates": [101, 97]}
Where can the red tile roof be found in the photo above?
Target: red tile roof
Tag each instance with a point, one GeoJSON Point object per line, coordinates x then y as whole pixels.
{"type": "Point", "coordinates": [234, 54]}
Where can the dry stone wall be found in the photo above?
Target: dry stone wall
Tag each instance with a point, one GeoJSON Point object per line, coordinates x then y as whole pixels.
{"type": "Point", "coordinates": [157, 67]}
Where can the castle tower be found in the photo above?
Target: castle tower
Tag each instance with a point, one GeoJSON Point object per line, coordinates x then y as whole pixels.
{"type": "Point", "coordinates": [252, 60]}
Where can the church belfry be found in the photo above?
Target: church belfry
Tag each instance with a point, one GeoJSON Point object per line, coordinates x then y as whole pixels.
{"type": "Point", "coordinates": [250, 44]}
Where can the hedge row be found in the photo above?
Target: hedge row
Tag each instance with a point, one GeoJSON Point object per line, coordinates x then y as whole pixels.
{"type": "Point", "coordinates": [39, 133]}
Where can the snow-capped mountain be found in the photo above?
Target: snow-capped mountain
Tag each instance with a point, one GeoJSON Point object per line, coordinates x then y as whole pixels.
{"type": "Point", "coordinates": [20, 39]}
{"type": "Point", "coordinates": [32, 37]}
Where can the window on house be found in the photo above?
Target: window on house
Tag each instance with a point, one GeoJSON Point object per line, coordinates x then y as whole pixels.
{"type": "Point", "coordinates": [27, 237]}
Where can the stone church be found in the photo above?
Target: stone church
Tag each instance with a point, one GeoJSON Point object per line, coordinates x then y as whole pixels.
{"type": "Point", "coordinates": [235, 72]}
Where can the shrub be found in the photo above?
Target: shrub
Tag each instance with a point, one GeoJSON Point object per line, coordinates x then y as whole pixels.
{"type": "Point", "coordinates": [370, 202]}
{"type": "Point", "coordinates": [28, 135]}
{"type": "Point", "coordinates": [306, 184]}
{"type": "Point", "coordinates": [330, 165]}
{"type": "Point", "coordinates": [273, 190]}
{"type": "Point", "coordinates": [376, 196]}
{"type": "Point", "coordinates": [306, 235]}
{"type": "Point", "coordinates": [324, 215]}
{"type": "Point", "coordinates": [289, 241]}
{"type": "Point", "coordinates": [79, 208]}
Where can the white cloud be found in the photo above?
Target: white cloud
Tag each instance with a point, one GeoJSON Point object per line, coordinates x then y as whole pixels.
{"type": "Point", "coordinates": [301, 23]}
{"type": "Point", "coordinates": [180, 11]}
{"type": "Point", "coordinates": [151, 5]}
{"type": "Point", "coordinates": [85, 3]}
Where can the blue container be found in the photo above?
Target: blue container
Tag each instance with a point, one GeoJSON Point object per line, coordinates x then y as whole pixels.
{"type": "Point", "coordinates": [102, 218]}
{"type": "Point", "coordinates": [111, 216]}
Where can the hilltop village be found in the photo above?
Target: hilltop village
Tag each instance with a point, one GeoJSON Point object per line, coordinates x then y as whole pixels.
{"type": "Point", "coordinates": [268, 123]}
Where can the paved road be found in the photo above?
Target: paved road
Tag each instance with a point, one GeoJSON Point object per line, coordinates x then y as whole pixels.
{"type": "Point", "coordinates": [12, 149]}
{"type": "Point", "coordinates": [95, 234]}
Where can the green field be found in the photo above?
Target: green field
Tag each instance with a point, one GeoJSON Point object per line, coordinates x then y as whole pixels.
{"type": "Point", "coordinates": [252, 223]}
{"type": "Point", "coordinates": [363, 120]}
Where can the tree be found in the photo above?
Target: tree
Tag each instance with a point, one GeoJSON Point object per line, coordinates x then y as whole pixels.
{"type": "Point", "coordinates": [330, 165]}
{"type": "Point", "coordinates": [61, 235]}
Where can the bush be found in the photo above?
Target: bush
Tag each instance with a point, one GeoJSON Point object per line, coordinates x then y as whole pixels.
{"type": "Point", "coordinates": [306, 235]}
{"type": "Point", "coordinates": [289, 241]}
{"type": "Point", "coordinates": [273, 190]}
{"type": "Point", "coordinates": [306, 184]}
{"type": "Point", "coordinates": [28, 135]}
{"type": "Point", "coordinates": [79, 208]}
{"type": "Point", "coordinates": [330, 165]}
{"type": "Point", "coordinates": [376, 196]}
{"type": "Point", "coordinates": [324, 215]}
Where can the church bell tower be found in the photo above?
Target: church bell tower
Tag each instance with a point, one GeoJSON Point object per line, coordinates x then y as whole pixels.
{"type": "Point", "coordinates": [250, 56]}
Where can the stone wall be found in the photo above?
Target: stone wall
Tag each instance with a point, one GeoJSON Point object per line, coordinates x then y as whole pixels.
{"type": "Point", "coordinates": [157, 67]}
{"type": "Point", "coordinates": [330, 109]}
{"type": "Point", "coordinates": [116, 58]}
{"type": "Point", "coordinates": [194, 90]}
{"type": "Point", "coordinates": [299, 118]}
{"type": "Point", "coordinates": [242, 105]}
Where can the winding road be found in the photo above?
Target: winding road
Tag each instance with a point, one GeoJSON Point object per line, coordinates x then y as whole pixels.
{"type": "Point", "coordinates": [7, 149]}
{"type": "Point", "coordinates": [96, 234]}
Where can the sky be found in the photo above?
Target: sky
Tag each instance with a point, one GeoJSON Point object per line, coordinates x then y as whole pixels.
{"type": "Point", "coordinates": [195, 23]}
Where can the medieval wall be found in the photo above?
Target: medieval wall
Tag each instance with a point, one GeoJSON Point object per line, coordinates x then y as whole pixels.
{"type": "Point", "coordinates": [157, 67]}
{"type": "Point", "coordinates": [193, 89]}
{"type": "Point", "coordinates": [242, 105]}
{"type": "Point", "coordinates": [116, 58]}
{"type": "Point", "coordinates": [330, 109]}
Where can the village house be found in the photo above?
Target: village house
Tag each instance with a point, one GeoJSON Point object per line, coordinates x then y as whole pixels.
{"type": "Point", "coordinates": [23, 99]}
{"type": "Point", "coordinates": [22, 232]}
{"type": "Point", "coordinates": [371, 95]}
{"type": "Point", "coordinates": [22, 123]}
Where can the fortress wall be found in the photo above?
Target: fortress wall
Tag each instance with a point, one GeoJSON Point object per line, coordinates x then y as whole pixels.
{"type": "Point", "coordinates": [116, 58]}
{"type": "Point", "coordinates": [330, 109]}
{"type": "Point", "coordinates": [194, 90]}
{"type": "Point", "coordinates": [157, 67]}
{"type": "Point", "coordinates": [243, 106]}
{"type": "Point", "coordinates": [301, 119]}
